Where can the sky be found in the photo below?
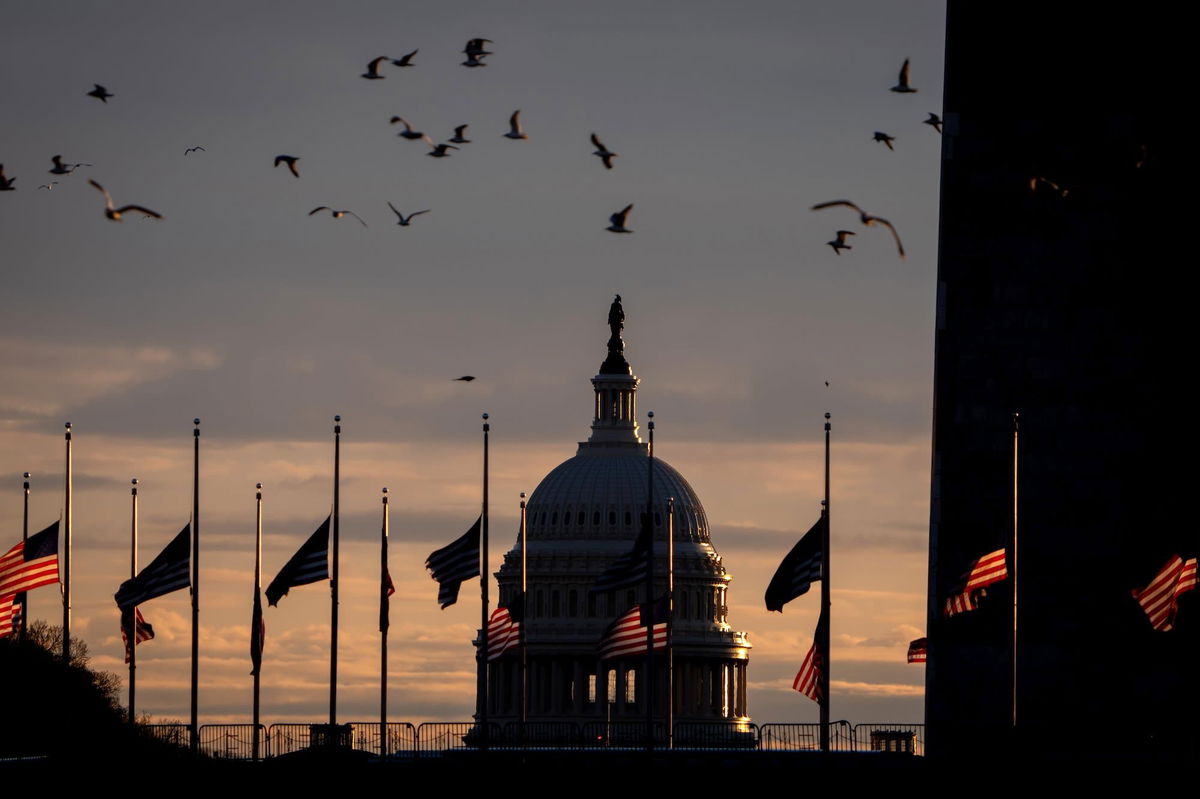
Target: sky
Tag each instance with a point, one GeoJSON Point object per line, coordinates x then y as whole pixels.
{"type": "Point", "coordinates": [729, 120]}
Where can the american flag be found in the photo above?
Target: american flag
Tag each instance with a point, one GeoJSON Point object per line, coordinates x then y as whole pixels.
{"type": "Point", "coordinates": [258, 634]}
{"type": "Point", "coordinates": [504, 632]}
{"type": "Point", "coordinates": [627, 635]}
{"type": "Point", "coordinates": [310, 564]}
{"type": "Point", "coordinates": [169, 571]}
{"type": "Point", "coordinates": [142, 631]}
{"type": "Point", "coordinates": [30, 564]}
{"type": "Point", "coordinates": [808, 679]}
{"type": "Point", "coordinates": [918, 650]}
{"type": "Point", "coordinates": [387, 588]}
{"type": "Point", "coordinates": [799, 569]}
{"type": "Point", "coordinates": [629, 569]}
{"type": "Point", "coordinates": [1160, 598]}
{"type": "Point", "coordinates": [454, 563]}
{"type": "Point", "coordinates": [10, 615]}
{"type": "Point", "coordinates": [987, 570]}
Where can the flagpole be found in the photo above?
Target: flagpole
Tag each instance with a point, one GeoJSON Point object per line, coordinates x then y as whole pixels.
{"type": "Point", "coordinates": [1016, 420]}
{"type": "Point", "coordinates": [650, 586]}
{"type": "Point", "coordinates": [131, 627]}
{"type": "Point", "coordinates": [670, 622]}
{"type": "Point", "coordinates": [482, 677]}
{"type": "Point", "coordinates": [333, 584]}
{"type": "Point", "coordinates": [23, 598]}
{"type": "Point", "coordinates": [196, 587]}
{"type": "Point", "coordinates": [523, 642]}
{"type": "Point", "coordinates": [383, 629]}
{"type": "Point", "coordinates": [257, 633]}
{"type": "Point", "coordinates": [66, 585]}
{"type": "Point", "coordinates": [823, 629]}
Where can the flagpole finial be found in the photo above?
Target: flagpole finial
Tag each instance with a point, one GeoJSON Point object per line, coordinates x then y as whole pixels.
{"type": "Point", "coordinates": [27, 475]}
{"type": "Point", "coordinates": [68, 426]}
{"type": "Point", "coordinates": [258, 486]}
{"type": "Point", "coordinates": [385, 490]}
{"type": "Point", "coordinates": [486, 425]}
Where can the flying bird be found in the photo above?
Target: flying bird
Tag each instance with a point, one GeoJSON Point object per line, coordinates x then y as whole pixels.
{"type": "Point", "coordinates": [100, 93]}
{"type": "Point", "coordinates": [603, 152]}
{"type": "Point", "coordinates": [905, 77]}
{"type": "Point", "coordinates": [475, 48]}
{"type": "Point", "coordinates": [63, 169]}
{"type": "Point", "coordinates": [514, 127]}
{"type": "Point", "coordinates": [867, 219]}
{"type": "Point", "coordinates": [458, 137]}
{"type": "Point", "coordinates": [372, 72]}
{"type": "Point", "coordinates": [474, 61]}
{"type": "Point", "coordinates": [409, 133]}
{"type": "Point", "coordinates": [439, 150]}
{"type": "Point", "coordinates": [194, 149]}
{"type": "Point", "coordinates": [49, 186]}
{"type": "Point", "coordinates": [405, 60]}
{"type": "Point", "coordinates": [337, 214]}
{"type": "Point", "coordinates": [840, 244]}
{"type": "Point", "coordinates": [886, 139]}
{"type": "Point", "coordinates": [617, 220]}
{"type": "Point", "coordinates": [464, 378]}
{"type": "Point", "coordinates": [115, 213]}
{"type": "Point", "coordinates": [934, 121]}
{"type": "Point", "coordinates": [6, 183]}
{"type": "Point", "coordinates": [405, 221]}
{"type": "Point", "coordinates": [290, 160]}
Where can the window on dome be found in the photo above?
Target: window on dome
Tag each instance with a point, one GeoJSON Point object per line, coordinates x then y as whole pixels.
{"type": "Point", "coordinates": [612, 686]}
{"type": "Point", "coordinates": [612, 518]}
{"type": "Point", "coordinates": [628, 518]}
{"type": "Point", "coordinates": [591, 692]}
{"type": "Point", "coordinates": [630, 686]}
{"type": "Point", "coordinates": [554, 518]}
{"type": "Point", "coordinates": [582, 518]}
{"type": "Point", "coordinates": [567, 518]}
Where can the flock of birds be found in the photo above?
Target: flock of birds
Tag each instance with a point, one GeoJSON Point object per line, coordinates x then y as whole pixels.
{"type": "Point", "coordinates": [476, 51]}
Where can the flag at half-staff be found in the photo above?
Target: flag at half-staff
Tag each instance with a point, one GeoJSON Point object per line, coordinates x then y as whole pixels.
{"type": "Point", "coordinates": [627, 635]}
{"type": "Point", "coordinates": [504, 628]}
{"type": "Point", "coordinates": [1160, 598]}
{"type": "Point", "coordinates": [918, 650]}
{"type": "Point", "coordinates": [310, 564]}
{"type": "Point", "coordinates": [630, 569]}
{"type": "Point", "coordinates": [258, 635]}
{"type": "Point", "coordinates": [799, 570]}
{"type": "Point", "coordinates": [10, 615]}
{"type": "Point", "coordinates": [810, 677]}
{"type": "Point", "coordinates": [142, 631]}
{"type": "Point", "coordinates": [454, 563]}
{"type": "Point", "coordinates": [988, 570]}
{"type": "Point", "coordinates": [31, 563]}
{"type": "Point", "coordinates": [168, 572]}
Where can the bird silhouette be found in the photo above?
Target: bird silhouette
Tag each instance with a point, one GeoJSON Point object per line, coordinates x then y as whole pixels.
{"type": "Point", "coordinates": [439, 150]}
{"type": "Point", "coordinates": [405, 60]}
{"type": "Point", "coordinates": [903, 86]}
{"type": "Point", "coordinates": [405, 221]}
{"type": "Point", "coordinates": [886, 139]}
{"type": "Point", "coordinates": [840, 244]}
{"type": "Point", "coordinates": [290, 160]}
{"type": "Point", "coordinates": [115, 213]}
{"type": "Point", "coordinates": [372, 72]}
{"type": "Point", "coordinates": [934, 121]}
{"type": "Point", "coordinates": [867, 219]}
{"type": "Point", "coordinates": [514, 127]}
{"type": "Point", "coordinates": [475, 47]}
{"type": "Point", "coordinates": [617, 220]}
{"type": "Point", "coordinates": [6, 183]}
{"type": "Point", "coordinates": [337, 214]}
{"type": "Point", "coordinates": [458, 137]}
{"type": "Point", "coordinates": [194, 149]}
{"type": "Point", "coordinates": [49, 186]}
{"type": "Point", "coordinates": [63, 169]}
{"type": "Point", "coordinates": [464, 378]}
{"type": "Point", "coordinates": [603, 152]}
{"type": "Point", "coordinates": [100, 93]}
{"type": "Point", "coordinates": [409, 133]}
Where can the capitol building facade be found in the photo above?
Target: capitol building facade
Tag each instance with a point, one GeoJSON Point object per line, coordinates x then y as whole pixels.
{"type": "Point", "coordinates": [582, 516]}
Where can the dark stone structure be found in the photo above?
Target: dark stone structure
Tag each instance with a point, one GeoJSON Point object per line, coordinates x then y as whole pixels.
{"type": "Point", "coordinates": [1064, 292]}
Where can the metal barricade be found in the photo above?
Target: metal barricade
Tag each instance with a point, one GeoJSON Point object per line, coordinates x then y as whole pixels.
{"type": "Point", "coordinates": [401, 737]}
{"type": "Point", "coordinates": [715, 735]}
{"type": "Point", "coordinates": [805, 737]}
{"type": "Point", "coordinates": [233, 741]}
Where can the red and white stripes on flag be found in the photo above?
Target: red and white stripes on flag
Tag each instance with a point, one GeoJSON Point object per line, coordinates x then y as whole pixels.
{"type": "Point", "coordinates": [1159, 599]}
{"type": "Point", "coordinates": [10, 614]}
{"type": "Point", "coordinates": [503, 633]}
{"type": "Point", "coordinates": [987, 570]}
{"type": "Point", "coordinates": [30, 564]}
{"type": "Point", "coordinates": [808, 679]}
{"type": "Point", "coordinates": [918, 650]}
{"type": "Point", "coordinates": [142, 631]}
{"type": "Point", "coordinates": [627, 636]}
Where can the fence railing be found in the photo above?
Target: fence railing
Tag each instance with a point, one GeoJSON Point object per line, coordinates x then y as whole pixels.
{"type": "Point", "coordinates": [236, 741]}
